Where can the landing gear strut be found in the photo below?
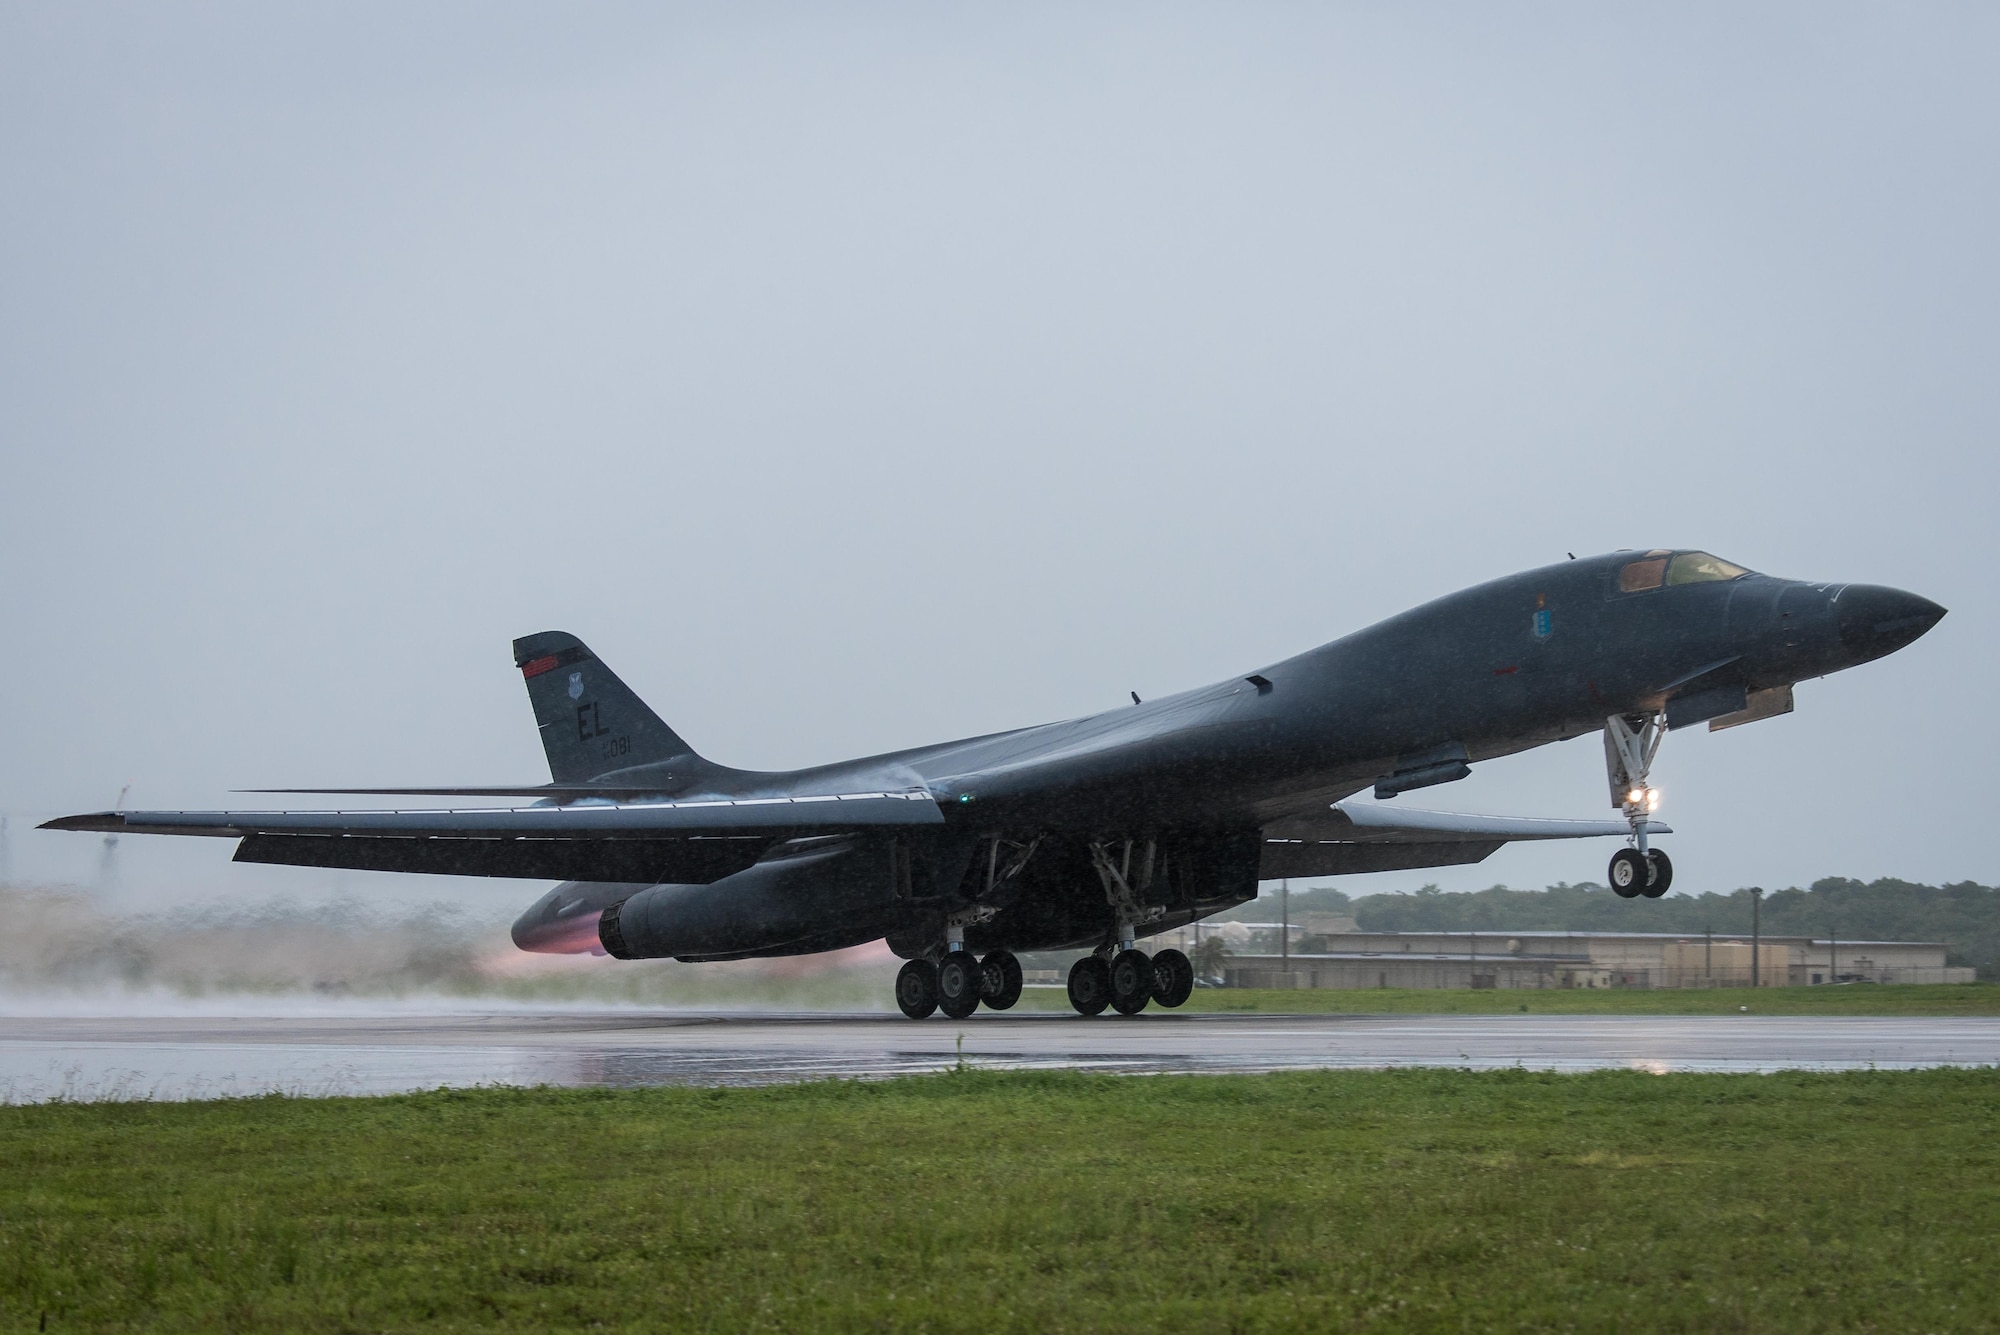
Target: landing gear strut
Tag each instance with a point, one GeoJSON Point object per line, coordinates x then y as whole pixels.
{"type": "Point", "coordinates": [1630, 743]}
{"type": "Point", "coordinates": [1126, 976]}
{"type": "Point", "coordinates": [950, 977]}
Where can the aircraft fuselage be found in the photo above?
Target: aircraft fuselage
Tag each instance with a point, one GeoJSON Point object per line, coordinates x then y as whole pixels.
{"type": "Point", "coordinates": [1193, 778]}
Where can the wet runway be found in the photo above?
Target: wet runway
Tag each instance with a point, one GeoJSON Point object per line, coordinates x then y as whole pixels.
{"type": "Point", "coordinates": [389, 1049]}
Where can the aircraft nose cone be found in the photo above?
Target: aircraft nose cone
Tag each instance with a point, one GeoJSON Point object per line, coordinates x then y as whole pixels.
{"type": "Point", "coordinates": [1876, 620]}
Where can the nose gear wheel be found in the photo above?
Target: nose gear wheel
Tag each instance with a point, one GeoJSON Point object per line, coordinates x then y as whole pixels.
{"type": "Point", "coordinates": [1628, 873]}
{"type": "Point", "coordinates": [1662, 873]}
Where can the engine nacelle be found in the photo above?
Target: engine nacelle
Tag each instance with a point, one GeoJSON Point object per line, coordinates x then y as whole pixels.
{"type": "Point", "coordinates": [564, 921]}
{"type": "Point", "coordinates": [812, 894]}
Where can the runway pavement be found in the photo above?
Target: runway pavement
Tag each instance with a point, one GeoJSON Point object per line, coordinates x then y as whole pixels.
{"type": "Point", "coordinates": [363, 1050]}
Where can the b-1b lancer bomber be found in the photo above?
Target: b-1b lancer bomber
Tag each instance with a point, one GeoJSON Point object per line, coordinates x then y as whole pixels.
{"type": "Point", "coordinates": [1099, 832]}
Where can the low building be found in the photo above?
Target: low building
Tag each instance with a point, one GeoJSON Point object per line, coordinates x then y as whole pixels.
{"type": "Point", "coordinates": [1585, 960]}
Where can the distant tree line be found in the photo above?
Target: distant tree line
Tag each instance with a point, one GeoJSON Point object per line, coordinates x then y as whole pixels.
{"type": "Point", "coordinates": [1965, 916]}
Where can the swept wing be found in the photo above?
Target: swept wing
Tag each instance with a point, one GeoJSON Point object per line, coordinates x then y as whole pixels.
{"type": "Point", "coordinates": [1345, 840]}
{"type": "Point", "coordinates": [687, 842]}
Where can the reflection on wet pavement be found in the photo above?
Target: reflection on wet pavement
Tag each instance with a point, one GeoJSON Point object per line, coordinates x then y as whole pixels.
{"type": "Point", "coordinates": [363, 1051]}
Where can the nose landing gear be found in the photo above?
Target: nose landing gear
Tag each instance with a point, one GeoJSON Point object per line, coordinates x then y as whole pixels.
{"type": "Point", "coordinates": [1630, 743]}
{"type": "Point", "coordinates": [1663, 873]}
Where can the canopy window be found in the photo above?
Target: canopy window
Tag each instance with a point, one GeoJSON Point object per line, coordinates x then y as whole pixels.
{"type": "Point", "coordinates": [1701, 568]}
{"type": "Point", "coordinates": [1648, 572]}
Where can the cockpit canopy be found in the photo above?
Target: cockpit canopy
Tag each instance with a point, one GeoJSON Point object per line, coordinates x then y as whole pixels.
{"type": "Point", "coordinates": [1663, 567]}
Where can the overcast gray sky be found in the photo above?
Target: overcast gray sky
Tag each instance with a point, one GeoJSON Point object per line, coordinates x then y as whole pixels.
{"type": "Point", "coordinates": [857, 376]}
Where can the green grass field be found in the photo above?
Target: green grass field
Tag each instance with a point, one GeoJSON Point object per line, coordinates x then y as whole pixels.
{"type": "Point", "coordinates": [1402, 1200]}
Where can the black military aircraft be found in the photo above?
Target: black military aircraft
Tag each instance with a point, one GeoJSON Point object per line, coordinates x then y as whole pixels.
{"type": "Point", "coordinates": [1097, 832]}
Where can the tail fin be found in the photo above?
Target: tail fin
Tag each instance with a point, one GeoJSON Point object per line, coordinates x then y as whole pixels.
{"type": "Point", "coordinates": [592, 724]}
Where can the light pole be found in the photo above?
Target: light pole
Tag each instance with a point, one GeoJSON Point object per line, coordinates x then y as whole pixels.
{"type": "Point", "coordinates": [1285, 924]}
{"type": "Point", "coordinates": [1756, 931]}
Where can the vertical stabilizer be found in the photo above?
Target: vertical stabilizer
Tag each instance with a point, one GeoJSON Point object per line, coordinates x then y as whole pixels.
{"type": "Point", "coordinates": [592, 724]}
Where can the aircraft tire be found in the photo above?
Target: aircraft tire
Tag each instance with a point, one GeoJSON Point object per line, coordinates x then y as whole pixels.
{"type": "Point", "coordinates": [1131, 982]}
{"type": "Point", "coordinates": [1628, 873]}
{"type": "Point", "coordinates": [916, 989]}
{"type": "Point", "coordinates": [959, 978]}
{"type": "Point", "coordinates": [1003, 980]}
{"type": "Point", "coordinates": [1173, 978]}
{"type": "Point", "coordinates": [1089, 985]}
{"type": "Point", "coordinates": [1662, 869]}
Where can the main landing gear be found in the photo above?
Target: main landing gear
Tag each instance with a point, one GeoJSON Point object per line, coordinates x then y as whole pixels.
{"type": "Point", "coordinates": [1129, 981]}
{"type": "Point", "coordinates": [959, 984]}
{"type": "Point", "coordinates": [1126, 978]}
{"type": "Point", "coordinates": [1630, 743]}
